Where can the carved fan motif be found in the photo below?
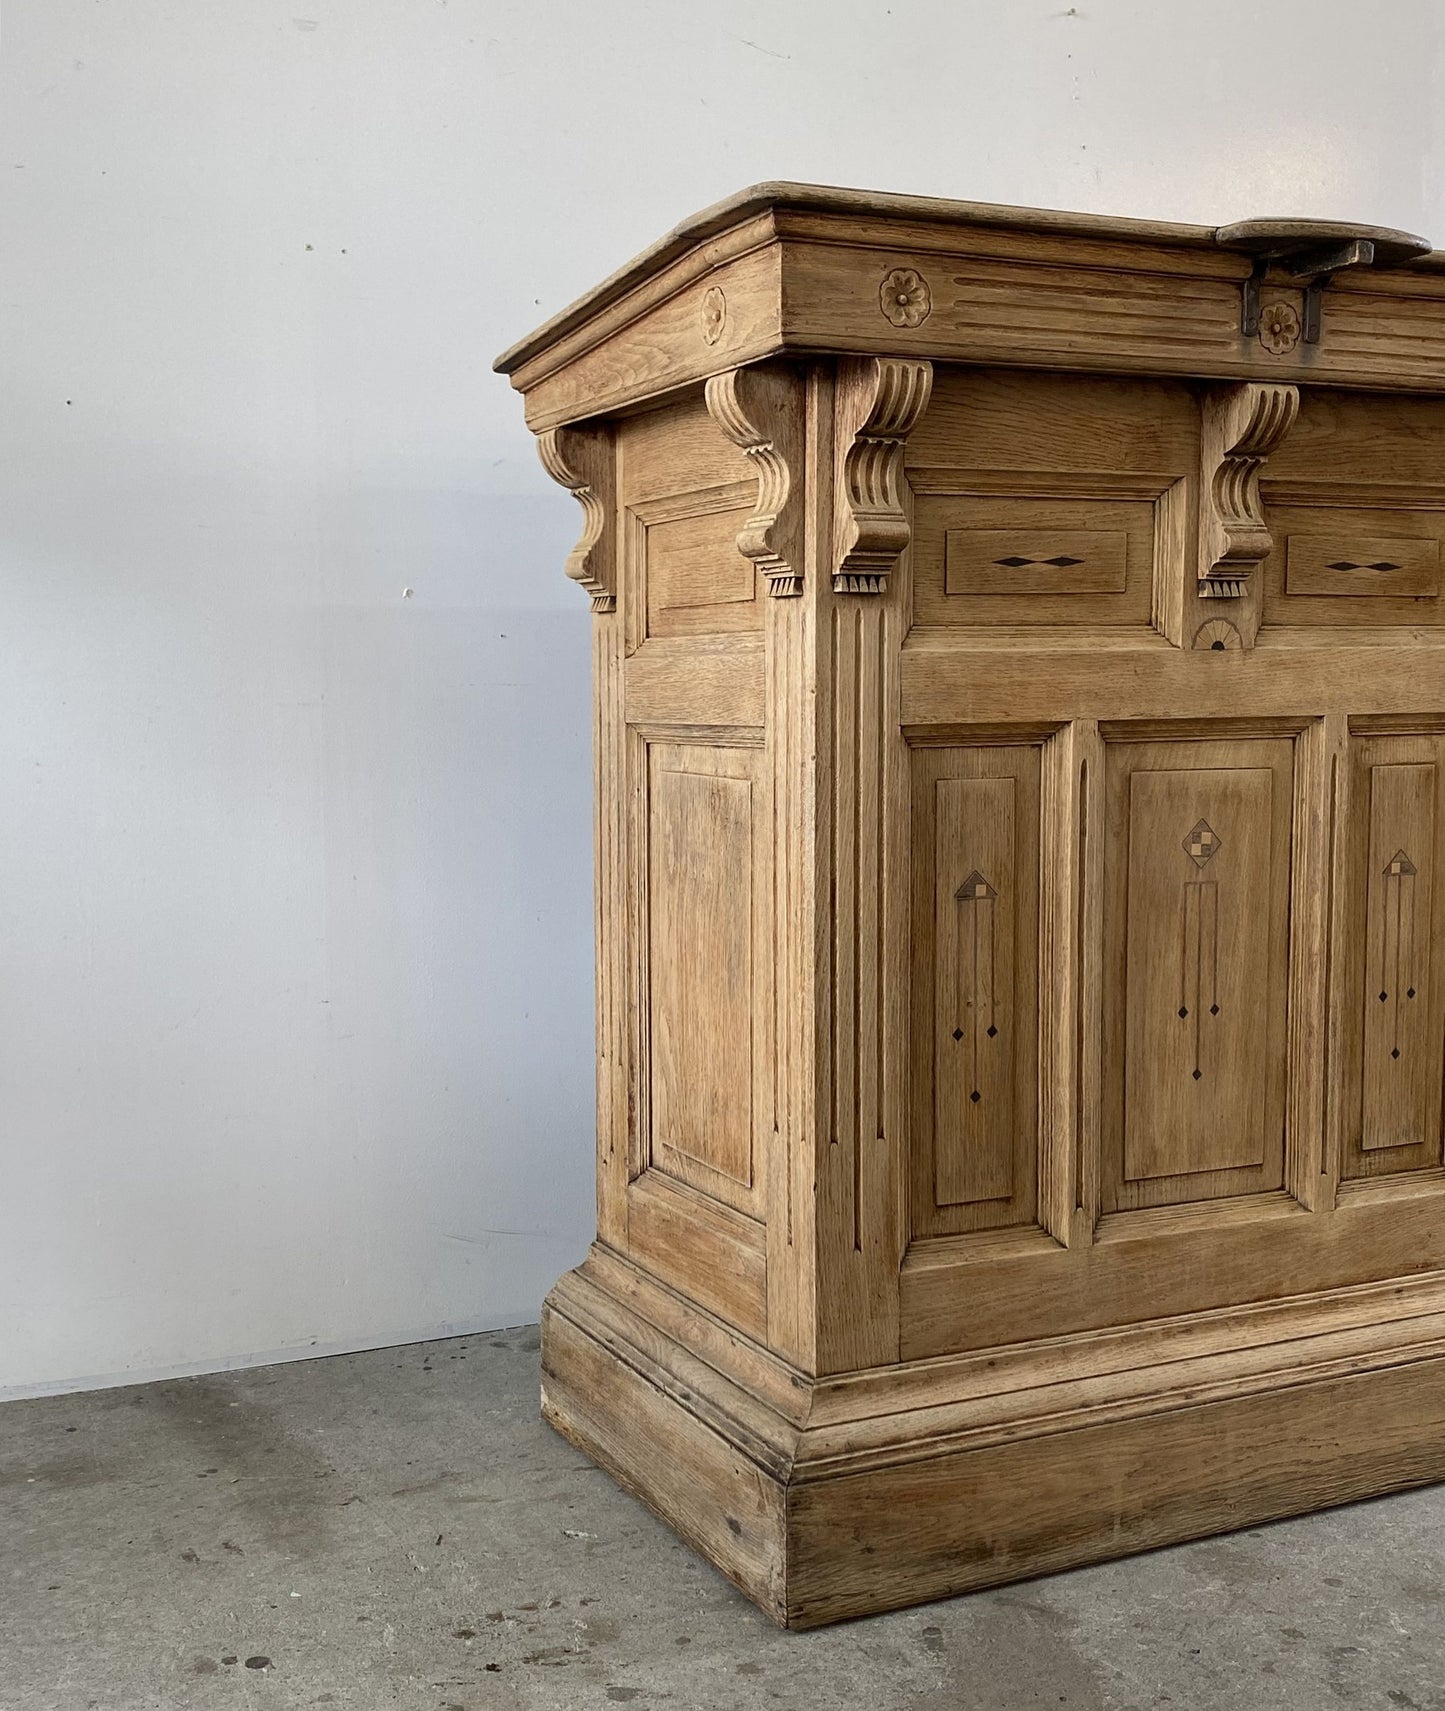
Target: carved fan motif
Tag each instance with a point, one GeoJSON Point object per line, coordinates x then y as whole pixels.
{"type": "Point", "coordinates": [1219, 635]}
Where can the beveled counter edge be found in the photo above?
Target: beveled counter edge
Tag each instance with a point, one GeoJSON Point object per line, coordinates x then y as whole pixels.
{"type": "Point", "coordinates": [776, 195]}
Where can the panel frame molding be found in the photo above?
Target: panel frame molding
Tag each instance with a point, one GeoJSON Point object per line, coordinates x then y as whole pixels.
{"type": "Point", "coordinates": [641, 740]}
{"type": "Point", "coordinates": [639, 516]}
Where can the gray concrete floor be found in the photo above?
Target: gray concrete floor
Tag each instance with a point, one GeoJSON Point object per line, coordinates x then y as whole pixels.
{"type": "Point", "coordinates": [398, 1529]}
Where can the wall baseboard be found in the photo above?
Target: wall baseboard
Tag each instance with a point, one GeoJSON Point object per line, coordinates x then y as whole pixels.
{"type": "Point", "coordinates": [268, 1357]}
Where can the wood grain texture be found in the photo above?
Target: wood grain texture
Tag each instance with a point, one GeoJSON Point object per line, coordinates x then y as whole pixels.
{"type": "Point", "coordinates": [1020, 750]}
{"type": "Point", "coordinates": [583, 461]}
{"type": "Point", "coordinates": [609, 886]}
{"type": "Point", "coordinates": [1196, 970]}
{"type": "Point", "coordinates": [879, 401]}
{"type": "Point", "coordinates": [761, 410]}
{"type": "Point", "coordinates": [1393, 1051]}
{"type": "Point", "coordinates": [1241, 427]}
{"type": "Point", "coordinates": [702, 899]}
{"type": "Point", "coordinates": [803, 270]}
{"type": "Point", "coordinates": [928, 1480]}
{"type": "Point", "coordinates": [974, 1132]}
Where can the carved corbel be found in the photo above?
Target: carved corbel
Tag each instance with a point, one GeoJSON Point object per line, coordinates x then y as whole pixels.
{"type": "Point", "coordinates": [760, 409]}
{"type": "Point", "coordinates": [879, 401]}
{"type": "Point", "coordinates": [1241, 426]}
{"type": "Point", "coordinates": [580, 459]}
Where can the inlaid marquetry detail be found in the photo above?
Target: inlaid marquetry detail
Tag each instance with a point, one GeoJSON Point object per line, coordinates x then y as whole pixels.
{"type": "Point", "coordinates": [1202, 844]}
{"type": "Point", "coordinates": [977, 964]}
{"type": "Point", "coordinates": [1199, 964]}
{"type": "Point", "coordinates": [975, 988]}
{"type": "Point", "coordinates": [1399, 943]}
{"type": "Point", "coordinates": [1400, 1017]}
{"type": "Point", "coordinates": [1021, 1039]}
{"type": "Point", "coordinates": [879, 401]}
{"type": "Point", "coordinates": [1196, 936]}
{"type": "Point", "coordinates": [581, 460]}
{"type": "Point", "coordinates": [1038, 560]}
{"type": "Point", "coordinates": [1348, 565]}
{"type": "Point", "coordinates": [1241, 426]}
{"type": "Point", "coordinates": [760, 409]}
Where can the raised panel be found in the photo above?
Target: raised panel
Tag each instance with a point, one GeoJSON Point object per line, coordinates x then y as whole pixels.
{"type": "Point", "coordinates": [1340, 565]}
{"type": "Point", "coordinates": [685, 490]}
{"type": "Point", "coordinates": [1368, 564]}
{"type": "Point", "coordinates": [1020, 547]}
{"type": "Point", "coordinates": [1196, 926]}
{"type": "Point", "coordinates": [702, 986]}
{"type": "Point", "coordinates": [1037, 468]}
{"type": "Point", "coordinates": [1077, 549]}
{"type": "Point", "coordinates": [689, 564]}
{"type": "Point", "coordinates": [1195, 971]}
{"type": "Point", "coordinates": [696, 581]}
{"type": "Point", "coordinates": [1397, 1038]}
{"type": "Point", "coordinates": [975, 982]}
{"type": "Point", "coordinates": [1355, 503]}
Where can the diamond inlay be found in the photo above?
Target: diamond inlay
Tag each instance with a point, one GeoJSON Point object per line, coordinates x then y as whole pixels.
{"type": "Point", "coordinates": [1202, 844]}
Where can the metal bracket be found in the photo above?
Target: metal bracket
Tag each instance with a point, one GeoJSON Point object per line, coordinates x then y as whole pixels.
{"type": "Point", "coordinates": [1310, 253]}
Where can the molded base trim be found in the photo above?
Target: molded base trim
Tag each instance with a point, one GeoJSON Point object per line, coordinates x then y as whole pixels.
{"type": "Point", "coordinates": [821, 1502]}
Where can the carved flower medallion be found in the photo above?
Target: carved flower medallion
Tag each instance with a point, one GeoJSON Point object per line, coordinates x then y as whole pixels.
{"type": "Point", "coordinates": [714, 314]}
{"type": "Point", "coordinates": [905, 298]}
{"type": "Point", "coordinates": [1278, 328]}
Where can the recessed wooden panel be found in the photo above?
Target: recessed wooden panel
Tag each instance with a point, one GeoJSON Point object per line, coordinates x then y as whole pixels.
{"type": "Point", "coordinates": [1338, 565]}
{"type": "Point", "coordinates": [1361, 565]}
{"type": "Point", "coordinates": [1063, 473]}
{"type": "Point", "coordinates": [701, 895]}
{"type": "Point", "coordinates": [1354, 497]}
{"type": "Point", "coordinates": [685, 490]}
{"type": "Point", "coordinates": [688, 564]}
{"type": "Point", "coordinates": [975, 949]}
{"type": "Point", "coordinates": [1013, 546]}
{"type": "Point", "coordinates": [1196, 971]}
{"type": "Point", "coordinates": [1078, 550]}
{"type": "Point", "coordinates": [1396, 1040]}
{"type": "Point", "coordinates": [1196, 919]}
{"type": "Point", "coordinates": [696, 580]}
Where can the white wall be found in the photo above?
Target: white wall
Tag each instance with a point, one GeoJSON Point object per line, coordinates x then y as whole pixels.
{"type": "Point", "coordinates": [295, 961]}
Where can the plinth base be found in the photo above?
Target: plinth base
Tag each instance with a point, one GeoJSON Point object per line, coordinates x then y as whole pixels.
{"type": "Point", "coordinates": [837, 1497]}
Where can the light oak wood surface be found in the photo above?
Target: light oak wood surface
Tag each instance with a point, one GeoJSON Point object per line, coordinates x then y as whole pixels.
{"type": "Point", "coordinates": [1019, 732]}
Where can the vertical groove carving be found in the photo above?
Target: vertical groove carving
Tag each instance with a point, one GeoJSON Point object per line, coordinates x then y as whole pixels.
{"type": "Point", "coordinates": [856, 859]}
{"type": "Point", "coordinates": [880, 400]}
{"type": "Point", "coordinates": [760, 410]}
{"type": "Point", "coordinates": [1241, 426]}
{"type": "Point", "coordinates": [801, 835]}
{"type": "Point", "coordinates": [1068, 1022]}
{"type": "Point", "coordinates": [581, 460]}
{"type": "Point", "coordinates": [614, 1166]}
